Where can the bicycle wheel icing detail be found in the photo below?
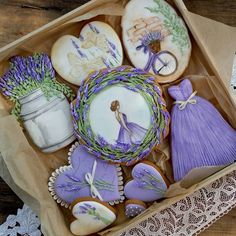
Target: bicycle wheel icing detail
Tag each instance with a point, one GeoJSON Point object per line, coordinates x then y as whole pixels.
{"type": "Point", "coordinates": [120, 115]}
{"type": "Point", "coordinates": [156, 39]}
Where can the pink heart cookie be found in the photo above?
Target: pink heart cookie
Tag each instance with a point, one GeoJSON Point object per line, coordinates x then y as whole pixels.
{"type": "Point", "coordinates": [148, 183]}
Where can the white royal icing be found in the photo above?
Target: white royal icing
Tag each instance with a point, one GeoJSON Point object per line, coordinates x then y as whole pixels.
{"type": "Point", "coordinates": [97, 47]}
{"type": "Point", "coordinates": [91, 217]}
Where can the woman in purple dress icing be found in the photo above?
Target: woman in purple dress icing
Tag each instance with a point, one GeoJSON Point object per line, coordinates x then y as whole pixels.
{"type": "Point", "coordinates": [130, 132]}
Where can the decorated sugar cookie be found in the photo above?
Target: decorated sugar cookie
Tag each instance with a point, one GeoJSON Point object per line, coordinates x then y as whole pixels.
{"type": "Point", "coordinates": [120, 114]}
{"type": "Point", "coordinates": [86, 176]}
{"type": "Point", "coordinates": [148, 184]}
{"type": "Point", "coordinates": [91, 216]}
{"type": "Point", "coordinates": [203, 124]}
{"type": "Point", "coordinates": [156, 38]}
{"type": "Point", "coordinates": [97, 47]}
{"type": "Point", "coordinates": [134, 207]}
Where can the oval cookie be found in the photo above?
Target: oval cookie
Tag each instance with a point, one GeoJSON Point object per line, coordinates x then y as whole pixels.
{"type": "Point", "coordinates": [156, 39]}
{"type": "Point", "coordinates": [97, 47]}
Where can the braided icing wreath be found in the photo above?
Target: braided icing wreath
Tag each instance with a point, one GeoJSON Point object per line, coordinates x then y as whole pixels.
{"type": "Point", "coordinates": [122, 152]}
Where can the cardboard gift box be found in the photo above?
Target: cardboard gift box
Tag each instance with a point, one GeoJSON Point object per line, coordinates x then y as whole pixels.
{"type": "Point", "coordinates": [26, 170]}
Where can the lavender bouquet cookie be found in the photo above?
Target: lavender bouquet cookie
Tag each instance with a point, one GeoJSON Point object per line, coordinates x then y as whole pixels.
{"type": "Point", "coordinates": [39, 101]}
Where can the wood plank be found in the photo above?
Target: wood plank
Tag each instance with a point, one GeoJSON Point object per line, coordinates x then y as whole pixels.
{"type": "Point", "coordinates": [223, 227]}
{"type": "Point", "coordinates": [9, 202]}
{"type": "Point", "coordinates": [219, 10]}
{"type": "Point", "coordinates": [20, 17]}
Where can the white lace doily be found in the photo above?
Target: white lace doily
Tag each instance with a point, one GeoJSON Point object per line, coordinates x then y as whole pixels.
{"type": "Point", "coordinates": [189, 216]}
{"type": "Point", "coordinates": [24, 223]}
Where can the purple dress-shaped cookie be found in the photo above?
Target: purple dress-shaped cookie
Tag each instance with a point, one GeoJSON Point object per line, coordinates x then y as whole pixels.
{"type": "Point", "coordinates": [130, 133]}
{"type": "Point", "coordinates": [200, 135]}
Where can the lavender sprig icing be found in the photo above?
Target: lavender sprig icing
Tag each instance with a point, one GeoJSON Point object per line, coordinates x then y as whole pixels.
{"type": "Point", "coordinates": [27, 74]}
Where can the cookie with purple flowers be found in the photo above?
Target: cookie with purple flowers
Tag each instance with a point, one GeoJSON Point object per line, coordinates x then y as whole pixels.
{"type": "Point", "coordinates": [120, 114]}
{"type": "Point", "coordinates": [86, 176]}
{"type": "Point", "coordinates": [97, 47]}
{"type": "Point", "coordinates": [156, 39]}
{"type": "Point", "coordinates": [134, 207]}
{"type": "Point", "coordinates": [148, 184]}
{"type": "Point", "coordinates": [90, 216]}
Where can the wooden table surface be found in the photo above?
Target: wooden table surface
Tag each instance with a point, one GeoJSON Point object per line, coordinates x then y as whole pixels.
{"type": "Point", "coordinates": [19, 17]}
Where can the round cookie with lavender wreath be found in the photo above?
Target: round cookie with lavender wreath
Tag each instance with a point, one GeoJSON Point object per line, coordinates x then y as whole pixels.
{"type": "Point", "coordinates": [120, 114]}
{"type": "Point", "coordinates": [97, 47]}
{"type": "Point", "coordinates": [156, 39]}
{"type": "Point", "coordinates": [86, 176]}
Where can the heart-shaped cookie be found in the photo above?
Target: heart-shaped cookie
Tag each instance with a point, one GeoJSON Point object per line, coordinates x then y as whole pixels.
{"type": "Point", "coordinates": [86, 176]}
{"type": "Point", "coordinates": [97, 47]}
{"type": "Point", "coordinates": [91, 216]}
{"type": "Point", "coordinates": [148, 183]}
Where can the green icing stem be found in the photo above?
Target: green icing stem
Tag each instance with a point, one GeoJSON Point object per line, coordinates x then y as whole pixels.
{"type": "Point", "coordinates": [173, 23]}
{"type": "Point", "coordinates": [157, 189]}
{"type": "Point", "coordinates": [98, 216]}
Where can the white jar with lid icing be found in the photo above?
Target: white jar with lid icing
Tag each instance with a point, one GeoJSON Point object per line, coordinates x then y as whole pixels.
{"type": "Point", "coordinates": [47, 120]}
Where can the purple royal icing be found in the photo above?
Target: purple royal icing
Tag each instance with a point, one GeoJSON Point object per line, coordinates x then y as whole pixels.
{"type": "Point", "coordinates": [199, 134]}
{"type": "Point", "coordinates": [147, 185]}
{"type": "Point", "coordinates": [71, 184]}
{"type": "Point", "coordinates": [132, 210]}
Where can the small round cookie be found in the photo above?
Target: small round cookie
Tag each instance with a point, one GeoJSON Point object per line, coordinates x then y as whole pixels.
{"type": "Point", "coordinates": [97, 47]}
{"type": "Point", "coordinates": [134, 207]}
{"type": "Point", "coordinates": [156, 39]}
{"type": "Point", "coordinates": [90, 216]}
{"type": "Point", "coordinates": [148, 184]}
